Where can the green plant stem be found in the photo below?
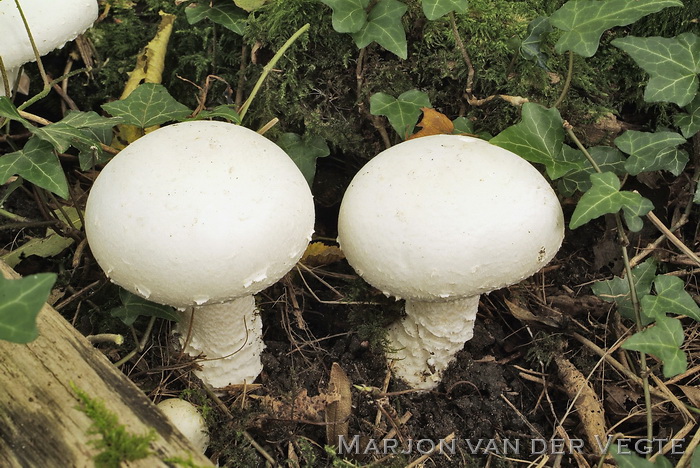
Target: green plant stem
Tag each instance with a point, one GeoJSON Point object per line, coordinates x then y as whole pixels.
{"type": "Point", "coordinates": [140, 345]}
{"type": "Point", "coordinates": [39, 63]}
{"type": "Point", "coordinates": [567, 81]}
{"type": "Point", "coordinates": [638, 320]}
{"type": "Point", "coordinates": [44, 92]}
{"type": "Point", "coordinates": [5, 79]}
{"type": "Point", "coordinates": [269, 67]}
{"type": "Point", "coordinates": [12, 216]}
{"type": "Point", "coordinates": [633, 290]}
{"type": "Point", "coordinates": [465, 55]}
{"type": "Point", "coordinates": [570, 131]}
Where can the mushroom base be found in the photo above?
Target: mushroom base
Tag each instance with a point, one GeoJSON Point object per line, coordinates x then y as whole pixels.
{"type": "Point", "coordinates": [424, 343]}
{"type": "Point", "coordinates": [228, 337]}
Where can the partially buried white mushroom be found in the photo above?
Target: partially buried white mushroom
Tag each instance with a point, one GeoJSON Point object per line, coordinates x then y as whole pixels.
{"type": "Point", "coordinates": [51, 22]}
{"type": "Point", "coordinates": [188, 420]}
{"type": "Point", "coordinates": [204, 215]}
{"type": "Point", "coordinates": [438, 221]}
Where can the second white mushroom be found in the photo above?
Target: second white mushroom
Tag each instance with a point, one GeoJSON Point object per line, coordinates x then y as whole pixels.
{"type": "Point", "coordinates": [438, 221]}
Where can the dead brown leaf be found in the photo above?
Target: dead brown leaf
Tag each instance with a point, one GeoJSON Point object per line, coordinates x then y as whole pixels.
{"type": "Point", "coordinates": [319, 254]}
{"type": "Point", "coordinates": [338, 411]}
{"type": "Point", "coordinates": [303, 408]}
{"type": "Point", "coordinates": [588, 407]}
{"type": "Point", "coordinates": [433, 123]}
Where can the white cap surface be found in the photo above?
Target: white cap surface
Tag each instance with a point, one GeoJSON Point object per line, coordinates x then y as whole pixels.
{"type": "Point", "coordinates": [188, 420]}
{"type": "Point", "coordinates": [197, 213]}
{"type": "Point", "coordinates": [52, 23]}
{"type": "Point", "coordinates": [448, 216]}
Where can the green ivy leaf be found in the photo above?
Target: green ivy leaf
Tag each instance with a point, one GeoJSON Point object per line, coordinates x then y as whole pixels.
{"type": "Point", "coordinates": [403, 112]}
{"type": "Point", "coordinates": [627, 459]}
{"type": "Point", "coordinates": [652, 151]}
{"type": "Point", "coordinates": [463, 125]}
{"type": "Point", "coordinates": [134, 306]}
{"type": "Point", "coordinates": [662, 340]}
{"type": "Point", "coordinates": [531, 47]}
{"type": "Point", "coordinates": [384, 27]}
{"type": "Point", "coordinates": [38, 164]}
{"type": "Point", "coordinates": [673, 65]}
{"type": "Point", "coordinates": [250, 5]}
{"type": "Point", "coordinates": [21, 301]}
{"type": "Point", "coordinates": [349, 16]}
{"type": "Point", "coordinates": [435, 9]}
{"type": "Point", "coordinates": [689, 122]}
{"type": "Point", "coordinates": [149, 104]}
{"type": "Point", "coordinates": [61, 135]}
{"type": "Point", "coordinates": [605, 197]}
{"type": "Point", "coordinates": [48, 245]}
{"type": "Point", "coordinates": [671, 297]}
{"type": "Point", "coordinates": [224, 111]}
{"type": "Point", "coordinates": [539, 138]}
{"type": "Point", "coordinates": [304, 152]}
{"type": "Point", "coordinates": [222, 12]}
{"type": "Point", "coordinates": [584, 21]}
{"type": "Point", "coordinates": [617, 290]}
{"type": "Point", "coordinates": [8, 110]}
{"type": "Point", "coordinates": [608, 160]}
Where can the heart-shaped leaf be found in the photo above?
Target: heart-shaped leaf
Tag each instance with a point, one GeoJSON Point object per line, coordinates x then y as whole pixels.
{"type": "Point", "coordinates": [304, 151]}
{"type": "Point", "coordinates": [673, 65]}
{"type": "Point", "coordinates": [671, 298]}
{"type": "Point", "coordinates": [663, 340]}
{"type": "Point", "coordinates": [21, 301]}
{"type": "Point", "coordinates": [403, 112]}
{"type": "Point", "coordinates": [652, 151]}
{"type": "Point", "coordinates": [384, 27]}
{"type": "Point", "coordinates": [605, 197]}
{"type": "Point", "coordinates": [149, 104]}
{"type": "Point", "coordinates": [349, 16]}
{"type": "Point", "coordinates": [584, 21]}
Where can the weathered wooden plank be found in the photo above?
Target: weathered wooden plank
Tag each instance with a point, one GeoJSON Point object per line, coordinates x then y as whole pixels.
{"type": "Point", "coordinates": [40, 423]}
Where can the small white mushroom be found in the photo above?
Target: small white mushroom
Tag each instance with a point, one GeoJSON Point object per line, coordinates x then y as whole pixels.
{"type": "Point", "coordinates": [188, 420]}
{"type": "Point", "coordinates": [52, 24]}
{"type": "Point", "coordinates": [204, 215]}
{"type": "Point", "coordinates": [438, 221]}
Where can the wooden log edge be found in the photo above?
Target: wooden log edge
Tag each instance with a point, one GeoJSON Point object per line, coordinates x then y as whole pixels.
{"type": "Point", "coordinates": [40, 423]}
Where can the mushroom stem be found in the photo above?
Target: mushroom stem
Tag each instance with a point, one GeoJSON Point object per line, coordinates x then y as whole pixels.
{"type": "Point", "coordinates": [424, 343]}
{"type": "Point", "coordinates": [229, 335]}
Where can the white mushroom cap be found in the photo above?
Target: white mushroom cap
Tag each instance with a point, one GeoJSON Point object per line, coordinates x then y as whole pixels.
{"type": "Point", "coordinates": [188, 420]}
{"type": "Point", "coordinates": [52, 23]}
{"type": "Point", "coordinates": [448, 216]}
{"type": "Point", "coordinates": [197, 213]}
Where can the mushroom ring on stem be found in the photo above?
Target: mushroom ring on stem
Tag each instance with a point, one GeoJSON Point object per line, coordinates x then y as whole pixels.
{"type": "Point", "coordinates": [203, 214]}
{"type": "Point", "coordinates": [438, 221]}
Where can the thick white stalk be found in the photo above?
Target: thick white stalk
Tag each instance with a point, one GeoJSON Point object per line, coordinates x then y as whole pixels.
{"type": "Point", "coordinates": [424, 343]}
{"type": "Point", "coordinates": [229, 335]}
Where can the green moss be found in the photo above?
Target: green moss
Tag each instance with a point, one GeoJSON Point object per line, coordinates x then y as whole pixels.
{"type": "Point", "coordinates": [116, 444]}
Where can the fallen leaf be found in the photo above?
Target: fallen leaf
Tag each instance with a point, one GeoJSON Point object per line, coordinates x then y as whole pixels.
{"type": "Point", "coordinates": [150, 64]}
{"type": "Point", "coordinates": [588, 407]}
{"type": "Point", "coordinates": [433, 123]}
{"type": "Point", "coordinates": [320, 254]}
{"type": "Point", "coordinates": [303, 408]}
{"type": "Point", "coordinates": [338, 412]}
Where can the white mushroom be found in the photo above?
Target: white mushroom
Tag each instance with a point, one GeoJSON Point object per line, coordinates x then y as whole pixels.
{"type": "Point", "coordinates": [438, 221]}
{"type": "Point", "coordinates": [203, 214]}
{"type": "Point", "coordinates": [188, 420]}
{"type": "Point", "coordinates": [52, 24]}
